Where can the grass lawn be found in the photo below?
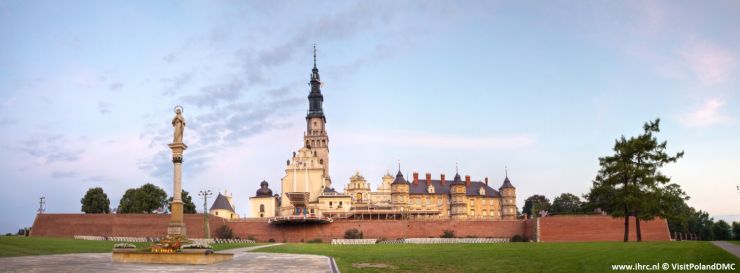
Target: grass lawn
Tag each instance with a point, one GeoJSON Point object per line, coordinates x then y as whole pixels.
{"type": "Point", "coordinates": [735, 242]}
{"type": "Point", "coordinates": [509, 257]}
{"type": "Point", "coordinates": [24, 246]}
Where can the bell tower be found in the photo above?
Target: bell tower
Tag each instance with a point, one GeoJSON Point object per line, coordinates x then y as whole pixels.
{"type": "Point", "coordinates": [315, 138]}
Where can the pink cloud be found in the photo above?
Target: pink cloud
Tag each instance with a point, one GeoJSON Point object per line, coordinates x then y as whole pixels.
{"type": "Point", "coordinates": [709, 63]}
{"type": "Point", "coordinates": [706, 115]}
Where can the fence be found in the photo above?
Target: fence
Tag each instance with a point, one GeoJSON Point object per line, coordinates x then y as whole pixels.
{"type": "Point", "coordinates": [353, 241]}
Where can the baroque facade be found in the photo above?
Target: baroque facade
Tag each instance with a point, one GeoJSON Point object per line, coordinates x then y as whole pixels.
{"type": "Point", "coordinates": [307, 192]}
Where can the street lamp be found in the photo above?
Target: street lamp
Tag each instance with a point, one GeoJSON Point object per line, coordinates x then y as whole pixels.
{"type": "Point", "coordinates": [42, 201]}
{"type": "Point", "coordinates": [205, 194]}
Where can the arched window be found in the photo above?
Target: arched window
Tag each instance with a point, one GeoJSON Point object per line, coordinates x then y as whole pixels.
{"type": "Point", "coordinates": [262, 208]}
{"type": "Point", "coordinates": [321, 161]}
{"type": "Point", "coordinates": [330, 204]}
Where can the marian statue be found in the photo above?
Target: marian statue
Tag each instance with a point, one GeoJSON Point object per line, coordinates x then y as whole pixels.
{"type": "Point", "coordinates": [179, 123]}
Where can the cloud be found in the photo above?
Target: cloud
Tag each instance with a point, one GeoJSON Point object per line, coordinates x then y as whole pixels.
{"type": "Point", "coordinates": [177, 83]}
{"type": "Point", "coordinates": [711, 64]}
{"type": "Point", "coordinates": [103, 107]}
{"type": "Point", "coordinates": [63, 174]}
{"type": "Point", "coordinates": [211, 95]}
{"type": "Point", "coordinates": [50, 148]}
{"type": "Point", "coordinates": [707, 114]}
{"type": "Point", "coordinates": [116, 86]}
{"type": "Point", "coordinates": [4, 121]}
{"type": "Point", "coordinates": [437, 141]}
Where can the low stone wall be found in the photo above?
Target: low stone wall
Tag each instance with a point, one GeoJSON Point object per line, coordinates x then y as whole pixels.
{"type": "Point", "coordinates": [589, 228]}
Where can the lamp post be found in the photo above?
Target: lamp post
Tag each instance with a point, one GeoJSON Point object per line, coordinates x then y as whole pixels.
{"type": "Point", "coordinates": [42, 201]}
{"type": "Point", "coordinates": [206, 227]}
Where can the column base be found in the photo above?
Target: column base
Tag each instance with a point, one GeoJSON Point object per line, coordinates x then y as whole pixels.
{"type": "Point", "coordinates": [176, 229]}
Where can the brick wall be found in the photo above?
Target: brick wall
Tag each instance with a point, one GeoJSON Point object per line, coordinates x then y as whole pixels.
{"type": "Point", "coordinates": [598, 228]}
{"type": "Point", "coordinates": [389, 229]}
{"type": "Point", "coordinates": [130, 225]}
{"type": "Point", "coordinates": [552, 229]}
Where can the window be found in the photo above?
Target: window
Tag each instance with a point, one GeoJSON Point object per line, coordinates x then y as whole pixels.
{"type": "Point", "coordinates": [262, 208]}
{"type": "Point", "coordinates": [439, 202]}
{"type": "Point", "coordinates": [217, 213]}
{"type": "Point", "coordinates": [330, 204]}
{"type": "Point", "coordinates": [429, 201]}
{"type": "Point", "coordinates": [340, 204]}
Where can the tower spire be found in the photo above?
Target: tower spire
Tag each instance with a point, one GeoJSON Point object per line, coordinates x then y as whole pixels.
{"type": "Point", "coordinates": [314, 55]}
{"type": "Point", "coordinates": [506, 169]}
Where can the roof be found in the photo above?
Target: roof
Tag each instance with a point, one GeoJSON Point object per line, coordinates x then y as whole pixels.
{"type": "Point", "coordinates": [221, 203]}
{"type": "Point", "coordinates": [507, 183]}
{"type": "Point", "coordinates": [457, 179]}
{"type": "Point", "coordinates": [472, 190]}
{"type": "Point", "coordinates": [399, 179]}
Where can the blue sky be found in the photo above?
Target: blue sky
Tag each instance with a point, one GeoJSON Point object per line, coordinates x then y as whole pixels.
{"type": "Point", "coordinates": [87, 90]}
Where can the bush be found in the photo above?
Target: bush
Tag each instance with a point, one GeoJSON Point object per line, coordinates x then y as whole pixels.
{"type": "Point", "coordinates": [197, 246]}
{"type": "Point", "coordinates": [315, 241]}
{"type": "Point", "coordinates": [224, 232]}
{"type": "Point", "coordinates": [352, 234]}
{"type": "Point", "coordinates": [519, 238]}
{"type": "Point", "coordinates": [251, 237]}
{"type": "Point", "coordinates": [448, 234]}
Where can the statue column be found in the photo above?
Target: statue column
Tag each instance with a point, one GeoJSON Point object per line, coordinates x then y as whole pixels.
{"type": "Point", "coordinates": [177, 226]}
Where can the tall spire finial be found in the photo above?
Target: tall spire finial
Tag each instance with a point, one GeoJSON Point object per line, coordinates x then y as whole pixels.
{"type": "Point", "coordinates": [314, 55]}
{"type": "Point", "coordinates": [456, 168]}
{"type": "Point", "coordinates": [506, 169]}
{"type": "Point", "coordinates": [399, 165]}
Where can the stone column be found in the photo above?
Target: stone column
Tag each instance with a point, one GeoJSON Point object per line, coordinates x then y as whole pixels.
{"type": "Point", "coordinates": [177, 226]}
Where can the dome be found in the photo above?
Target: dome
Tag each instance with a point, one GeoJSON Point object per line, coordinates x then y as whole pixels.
{"type": "Point", "coordinates": [264, 190]}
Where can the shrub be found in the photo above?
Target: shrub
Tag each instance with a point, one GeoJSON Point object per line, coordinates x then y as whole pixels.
{"type": "Point", "coordinates": [124, 245]}
{"type": "Point", "coordinates": [224, 232]}
{"type": "Point", "coordinates": [197, 246]}
{"type": "Point", "coordinates": [519, 238]}
{"type": "Point", "coordinates": [352, 234]}
{"type": "Point", "coordinates": [251, 237]}
{"type": "Point", "coordinates": [271, 240]}
{"type": "Point", "coordinates": [315, 241]}
{"type": "Point", "coordinates": [448, 234]}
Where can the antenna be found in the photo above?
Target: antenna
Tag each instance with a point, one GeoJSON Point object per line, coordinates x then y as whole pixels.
{"type": "Point", "coordinates": [314, 55]}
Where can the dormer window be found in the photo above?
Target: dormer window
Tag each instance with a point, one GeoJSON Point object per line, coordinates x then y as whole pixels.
{"type": "Point", "coordinates": [430, 189]}
{"type": "Point", "coordinates": [482, 191]}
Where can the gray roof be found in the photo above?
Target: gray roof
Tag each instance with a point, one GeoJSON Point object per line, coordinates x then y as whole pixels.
{"type": "Point", "coordinates": [472, 190]}
{"type": "Point", "coordinates": [399, 179]}
{"type": "Point", "coordinates": [507, 183]}
{"type": "Point", "coordinates": [221, 203]}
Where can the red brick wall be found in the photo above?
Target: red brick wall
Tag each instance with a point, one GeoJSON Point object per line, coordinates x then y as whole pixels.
{"type": "Point", "coordinates": [130, 225]}
{"type": "Point", "coordinates": [552, 229]}
{"type": "Point", "coordinates": [389, 229]}
{"type": "Point", "coordinates": [598, 228]}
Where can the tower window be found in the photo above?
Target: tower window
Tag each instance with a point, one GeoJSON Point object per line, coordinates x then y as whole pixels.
{"type": "Point", "coordinates": [262, 208]}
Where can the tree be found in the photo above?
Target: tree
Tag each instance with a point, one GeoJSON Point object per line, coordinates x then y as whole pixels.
{"type": "Point", "coordinates": [630, 183]}
{"type": "Point", "coordinates": [543, 204]}
{"type": "Point", "coordinates": [566, 203]}
{"type": "Point", "coordinates": [95, 201]}
{"type": "Point", "coordinates": [736, 230]}
{"type": "Point", "coordinates": [352, 234]}
{"type": "Point", "coordinates": [145, 199]}
{"type": "Point", "coordinates": [187, 207]}
{"type": "Point", "coordinates": [721, 230]}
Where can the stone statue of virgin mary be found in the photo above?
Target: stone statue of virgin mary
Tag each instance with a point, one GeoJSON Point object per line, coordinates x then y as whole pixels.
{"type": "Point", "coordinates": [179, 124]}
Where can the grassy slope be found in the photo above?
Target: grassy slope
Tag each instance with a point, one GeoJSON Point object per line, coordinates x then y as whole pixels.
{"type": "Point", "coordinates": [735, 242]}
{"type": "Point", "coordinates": [513, 257]}
{"type": "Point", "coordinates": [23, 246]}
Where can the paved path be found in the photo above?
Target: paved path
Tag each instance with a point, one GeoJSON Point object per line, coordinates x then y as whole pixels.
{"type": "Point", "coordinates": [729, 247]}
{"type": "Point", "coordinates": [101, 262]}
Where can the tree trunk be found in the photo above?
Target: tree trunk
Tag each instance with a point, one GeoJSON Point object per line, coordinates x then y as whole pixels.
{"type": "Point", "coordinates": [637, 227]}
{"type": "Point", "coordinates": [626, 224]}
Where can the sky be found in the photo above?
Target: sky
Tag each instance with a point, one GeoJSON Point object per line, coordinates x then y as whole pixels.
{"type": "Point", "coordinates": [87, 91]}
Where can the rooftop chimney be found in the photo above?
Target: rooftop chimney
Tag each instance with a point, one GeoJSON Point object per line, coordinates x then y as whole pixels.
{"type": "Point", "coordinates": [429, 179]}
{"type": "Point", "coordinates": [486, 181]}
{"type": "Point", "coordinates": [442, 179]}
{"type": "Point", "coordinates": [416, 178]}
{"type": "Point", "coordinates": [467, 181]}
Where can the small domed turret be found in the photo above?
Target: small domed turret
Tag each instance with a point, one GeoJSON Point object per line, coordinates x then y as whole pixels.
{"type": "Point", "coordinates": [264, 190]}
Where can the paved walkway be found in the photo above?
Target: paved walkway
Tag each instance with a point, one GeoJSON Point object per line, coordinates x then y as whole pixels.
{"type": "Point", "coordinates": [729, 247]}
{"type": "Point", "coordinates": [101, 262]}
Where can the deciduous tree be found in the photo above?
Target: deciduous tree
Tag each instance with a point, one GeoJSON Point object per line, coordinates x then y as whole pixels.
{"type": "Point", "coordinates": [145, 199]}
{"type": "Point", "coordinates": [95, 201]}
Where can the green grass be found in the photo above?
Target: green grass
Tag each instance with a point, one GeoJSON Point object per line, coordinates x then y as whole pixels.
{"type": "Point", "coordinates": [735, 242]}
{"type": "Point", "coordinates": [510, 257]}
{"type": "Point", "coordinates": [24, 246]}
